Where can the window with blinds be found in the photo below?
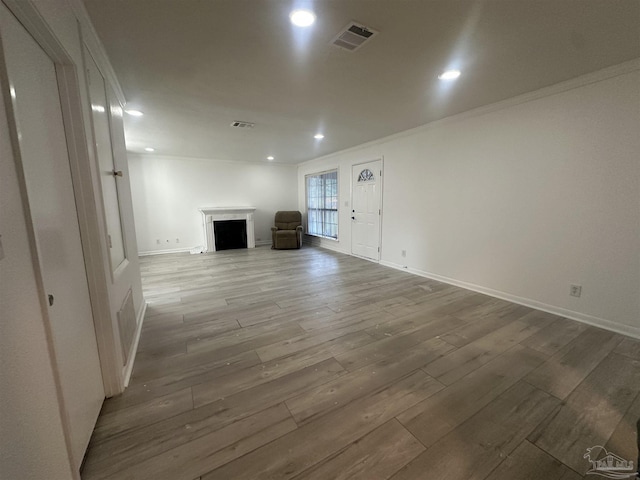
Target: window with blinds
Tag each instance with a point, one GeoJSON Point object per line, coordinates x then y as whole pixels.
{"type": "Point", "coordinates": [322, 204]}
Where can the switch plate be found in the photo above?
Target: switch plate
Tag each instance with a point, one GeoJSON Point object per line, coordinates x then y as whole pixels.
{"type": "Point", "coordinates": [575, 290]}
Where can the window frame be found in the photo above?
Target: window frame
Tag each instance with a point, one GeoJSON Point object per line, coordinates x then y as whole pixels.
{"type": "Point", "coordinates": [336, 210]}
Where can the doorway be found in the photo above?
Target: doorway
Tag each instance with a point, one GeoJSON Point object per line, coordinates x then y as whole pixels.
{"type": "Point", "coordinates": [366, 209]}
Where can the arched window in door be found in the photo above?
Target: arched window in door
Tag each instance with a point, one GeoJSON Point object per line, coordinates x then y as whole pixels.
{"type": "Point", "coordinates": [366, 175]}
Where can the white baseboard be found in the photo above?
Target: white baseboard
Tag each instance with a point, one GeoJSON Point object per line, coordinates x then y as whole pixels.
{"type": "Point", "coordinates": [594, 321]}
{"type": "Point", "coordinates": [162, 252]}
{"type": "Point", "coordinates": [134, 345]}
{"type": "Point", "coordinates": [183, 250]}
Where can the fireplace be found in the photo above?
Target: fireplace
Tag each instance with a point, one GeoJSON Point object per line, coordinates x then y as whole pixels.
{"type": "Point", "coordinates": [230, 234]}
{"type": "Point", "coordinates": [224, 221]}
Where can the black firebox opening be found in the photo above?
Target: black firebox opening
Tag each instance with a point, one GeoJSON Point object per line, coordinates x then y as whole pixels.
{"type": "Point", "coordinates": [230, 234]}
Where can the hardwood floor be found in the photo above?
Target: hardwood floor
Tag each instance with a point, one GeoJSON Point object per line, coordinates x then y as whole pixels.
{"type": "Point", "coordinates": [309, 364]}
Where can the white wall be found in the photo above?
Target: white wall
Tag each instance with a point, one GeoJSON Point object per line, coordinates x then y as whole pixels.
{"type": "Point", "coordinates": [168, 191]}
{"type": "Point", "coordinates": [519, 199]}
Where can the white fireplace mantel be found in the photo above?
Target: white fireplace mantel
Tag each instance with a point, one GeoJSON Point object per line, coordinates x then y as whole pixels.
{"type": "Point", "coordinates": [213, 214]}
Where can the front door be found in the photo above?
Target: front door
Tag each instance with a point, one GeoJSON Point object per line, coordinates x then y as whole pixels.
{"type": "Point", "coordinates": [366, 210]}
{"type": "Point", "coordinates": [50, 194]}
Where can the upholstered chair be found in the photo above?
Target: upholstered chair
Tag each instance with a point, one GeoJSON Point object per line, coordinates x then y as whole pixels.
{"type": "Point", "coordinates": [288, 230]}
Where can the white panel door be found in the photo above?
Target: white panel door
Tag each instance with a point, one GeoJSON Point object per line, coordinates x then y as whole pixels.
{"type": "Point", "coordinates": [100, 110]}
{"type": "Point", "coordinates": [366, 209]}
{"type": "Point", "coordinates": [43, 152]}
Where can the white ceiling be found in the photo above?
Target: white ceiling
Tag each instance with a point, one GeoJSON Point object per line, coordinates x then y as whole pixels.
{"type": "Point", "coordinates": [194, 66]}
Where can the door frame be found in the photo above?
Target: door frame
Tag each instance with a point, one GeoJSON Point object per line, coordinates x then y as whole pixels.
{"type": "Point", "coordinates": [351, 182]}
{"type": "Point", "coordinates": [84, 179]}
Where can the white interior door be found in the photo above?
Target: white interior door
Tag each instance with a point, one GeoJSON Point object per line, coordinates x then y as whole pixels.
{"type": "Point", "coordinates": [366, 209]}
{"type": "Point", "coordinates": [45, 161]}
{"type": "Point", "coordinates": [100, 110]}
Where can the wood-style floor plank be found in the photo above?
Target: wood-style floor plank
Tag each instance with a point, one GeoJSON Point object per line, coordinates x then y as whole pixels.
{"type": "Point", "coordinates": [294, 453]}
{"type": "Point", "coordinates": [337, 393]}
{"type": "Point", "coordinates": [471, 356]}
{"type": "Point", "coordinates": [623, 440]}
{"type": "Point", "coordinates": [528, 462]}
{"type": "Point", "coordinates": [479, 445]}
{"type": "Point", "coordinates": [214, 449]}
{"type": "Point", "coordinates": [563, 372]}
{"type": "Point", "coordinates": [435, 417]}
{"type": "Point", "coordinates": [552, 338]}
{"type": "Point", "coordinates": [309, 364]}
{"type": "Point", "coordinates": [591, 412]}
{"type": "Point", "coordinates": [127, 450]}
{"type": "Point", "coordinates": [376, 456]}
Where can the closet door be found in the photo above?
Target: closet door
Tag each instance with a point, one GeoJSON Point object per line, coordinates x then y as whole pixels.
{"type": "Point", "coordinates": [50, 195]}
{"type": "Point", "coordinates": [109, 174]}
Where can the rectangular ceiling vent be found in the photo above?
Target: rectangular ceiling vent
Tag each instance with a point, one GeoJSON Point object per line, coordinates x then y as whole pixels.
{"type": "Point", "coordinates": [241, 124]}
{"type": "Point", "coordinates": [353, 36]}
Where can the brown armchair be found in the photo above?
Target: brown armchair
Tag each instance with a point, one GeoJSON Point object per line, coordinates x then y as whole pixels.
{"type": "Point", "coordinates": [288, 230]}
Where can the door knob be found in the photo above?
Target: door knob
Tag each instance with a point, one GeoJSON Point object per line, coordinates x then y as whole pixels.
{"type": "Point", "coordinates": [50, 298]}
{"type": "Point", "coordinates": [117, 173]}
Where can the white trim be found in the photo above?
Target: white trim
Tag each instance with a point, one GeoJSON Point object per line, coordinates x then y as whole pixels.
{"type": "Point", "coordinates": [581, 81]}
{"type": "Point", "coordinates": [162, 252]}
{"type": "Point", "coordinates": [134, 345]}
{"type": "Point", "coordinates": [210, 215]}
{"type": "Point", "coordinates": [604, 323]}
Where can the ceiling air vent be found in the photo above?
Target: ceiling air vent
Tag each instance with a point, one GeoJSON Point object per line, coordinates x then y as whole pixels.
{"type": "Point", "coordinates": [353, 36]}
{"type": "Point", "coordinates": [241, 124]}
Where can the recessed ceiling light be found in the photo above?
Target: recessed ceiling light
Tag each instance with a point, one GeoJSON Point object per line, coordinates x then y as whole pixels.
{"type": "Point", "coordinates": [134, 113]}
{"type": "Point", "coordinates": [449, 75]}
{"type": "Point", "coordinates": [302, 18]}
{"type": "Point", "coordinates": [270, 157]}
{"type": "Point", "coordinates": [318, 136]}
{"type": "Point", "coordinates": [149, 149]}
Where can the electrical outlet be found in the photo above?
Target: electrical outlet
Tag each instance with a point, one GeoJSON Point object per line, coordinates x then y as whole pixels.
{"type": "Point", "coordinates": [177, 240]}
{"type": "Point", "coordinates": [404, 253]}
{"type": "Point", "coordinates": [575, 290]}
{"type": "Point", "coordinates": [258, 239]}
{"type": "Point", "coordinates": [158, 241]}
{"type": "Point", "coordinates": [167, 240]}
